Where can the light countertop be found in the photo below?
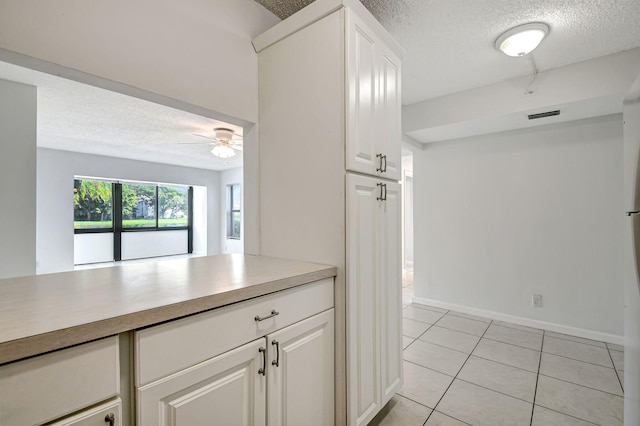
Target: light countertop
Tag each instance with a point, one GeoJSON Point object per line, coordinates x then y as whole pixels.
{"type": "Point", "coordinates": [46, 312]}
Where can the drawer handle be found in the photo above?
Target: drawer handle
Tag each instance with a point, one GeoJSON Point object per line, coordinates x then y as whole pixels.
{"type": "Point", "coordinates": [273, 314]}
{"type": "Point", "coordinates": [263, 370]}
{"type": "Point", "coordinates": [277, 361]}
{"type": "Point", "coordinates": [379, 169]}
{"type": "Point", "coordinates": [110, 418]}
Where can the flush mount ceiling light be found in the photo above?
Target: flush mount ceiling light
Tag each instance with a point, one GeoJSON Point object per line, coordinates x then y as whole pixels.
{"type": "Point", "coordinates": [520, 40]}
{"type": "Point", "coordinates": [223, 151]}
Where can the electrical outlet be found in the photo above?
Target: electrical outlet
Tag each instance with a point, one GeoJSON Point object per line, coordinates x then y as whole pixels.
{"type": "Point", "coordinates": [536, 300]}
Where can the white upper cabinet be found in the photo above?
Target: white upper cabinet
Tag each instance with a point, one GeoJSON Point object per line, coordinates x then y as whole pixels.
{"type": "Point", "coordinates": [373, 103]}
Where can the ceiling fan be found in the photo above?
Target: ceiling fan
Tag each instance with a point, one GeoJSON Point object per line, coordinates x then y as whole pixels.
{"type": "Point", "coordinates": [224, 143]}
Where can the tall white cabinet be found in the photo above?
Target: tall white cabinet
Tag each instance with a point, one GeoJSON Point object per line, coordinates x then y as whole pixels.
{"type": "Point", "coordinates": [329, 162]}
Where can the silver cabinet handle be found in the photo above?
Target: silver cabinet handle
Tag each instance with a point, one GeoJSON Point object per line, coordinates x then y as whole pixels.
{"type": "Point", "coordinates": [383, 191]}
{"type": "Point", "coordinates": [379, 169]}
{"type": "Point", "coordinates": [263, 370]}
{"type": "Point", "coordinates": [277, 361]}
{"type": "Point", "coordinates": [273, 314]}
{"type": "Point", "coordinates": [110, 418]}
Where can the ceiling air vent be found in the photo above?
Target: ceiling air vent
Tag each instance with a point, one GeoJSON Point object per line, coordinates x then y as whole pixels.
{"type": "Point", "coordinates": [544, 114]}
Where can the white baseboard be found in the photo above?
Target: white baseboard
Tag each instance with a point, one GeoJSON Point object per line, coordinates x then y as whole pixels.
{"type": "Point", "coordinates": [549, 326]}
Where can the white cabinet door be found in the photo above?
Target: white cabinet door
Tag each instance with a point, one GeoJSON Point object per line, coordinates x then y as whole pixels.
{"type": "Point", "coordinates": [226, 390]}
{"type": "Point", "coordinates": [388, 108]}
{"type": "Point", "coordinates": [363, 359]}
{"type": "Point", "coordinates": [390, 282]}
{"type": "Point", "coordinates": [300, 373]}
{"type": "Point", "coordinates": [374, 295]}
{"type": "Point", "coordinates": [373, 104]}
{"type": "Point", "coordinates": [362, 90]}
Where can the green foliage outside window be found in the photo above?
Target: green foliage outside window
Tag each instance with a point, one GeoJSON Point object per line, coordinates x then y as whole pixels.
{"type": "Point", "coordinates": [92, 204]}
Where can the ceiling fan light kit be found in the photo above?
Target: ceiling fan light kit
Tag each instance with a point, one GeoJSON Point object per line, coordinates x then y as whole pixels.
{"type": "Point", "coordinates": [223, 151]}
{"type": "Point", "coordinates": [521, 40]}
{"type": "Point", "coordinates": [224, 144]}
{"type": "Point", "coordinates": [223, 135]}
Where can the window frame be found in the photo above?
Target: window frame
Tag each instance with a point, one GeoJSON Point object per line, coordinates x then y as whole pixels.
{"type": "Point", "coordinates": [117, 221]}
{"type": "Point", "coordinates": [231, 211]}
{"type": "Point", "coordinates": [102, 230]}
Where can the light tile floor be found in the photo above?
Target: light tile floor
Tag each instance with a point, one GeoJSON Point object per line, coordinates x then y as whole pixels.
{"type": "Point", "coordinates": [466, 370]}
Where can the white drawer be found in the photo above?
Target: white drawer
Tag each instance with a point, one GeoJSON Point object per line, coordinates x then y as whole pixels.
{"type": "Point", "coordinates": [176, 345]}
{"type": "Point", "coordinates": [96, 416]}
{"type": "Point", "coordinates": [46, 387]}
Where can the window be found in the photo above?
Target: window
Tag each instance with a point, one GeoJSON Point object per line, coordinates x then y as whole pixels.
{"type": "Point", "coordinates": [234, 218]}
{"type": "Point", "coordinates": [92, 207]}
{"type": "Point", "coordinates": [132, 213]}
{"type": "Point", "coordinates": [173, 206]}
{"type": "Point", "coordinates": [138, 205]}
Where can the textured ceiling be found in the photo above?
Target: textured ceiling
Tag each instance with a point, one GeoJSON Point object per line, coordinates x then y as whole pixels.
{"type": "Point", "coordinates": [450, 43]}
{"type": "Point", "coordinates": [77, 117]}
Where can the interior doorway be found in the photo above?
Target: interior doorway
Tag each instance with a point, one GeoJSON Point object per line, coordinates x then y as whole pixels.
{"type": "Point", "coordinates": [407, 227]}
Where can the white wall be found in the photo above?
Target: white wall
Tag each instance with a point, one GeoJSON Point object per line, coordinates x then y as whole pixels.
{"type": "Point", "coordinates": [140, 245]}
{"type": "Point", "coordinates": [407, 211]}
{"type": "Point", "coordinates": [228, 177]}
{"type": "Point", "coordinates": [17, 179]}
{"type": "Point", "coordinates": [502, 216]}
{"type": "Point", "coordinates": [92, 248]}
{"type": "Point", "coordinates": [196, 51]}
{"type": "Point", "coordinates": [632, 283]}
{"type": "Point", "coordinates": [56, 170]}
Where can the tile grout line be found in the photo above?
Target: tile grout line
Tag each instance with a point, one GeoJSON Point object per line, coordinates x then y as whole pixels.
{"type": "Point", "coordinates": [532, 330]}
{"type": "Point", "coordinates": [614, 367]}
{"type": "Point", "coordinates": [568, 415]}
{"type": "Point", "coordinates": [459, 370]}
{"type": "Point", "coordinates": [428, 368]}
{"type": "Point", "coordinates": [503, 363]}
{"type": "Point", "coordinates": [463, 332]}
{"type": "Point", "coordinates": [467, 317]}
{"type": "Point", "coordinates": [442, 346]}
{"type": "Point", "coordinates": [535, 391]}
{"type": "Point", "coordinates": [580, 360]}
{"type": "Point", "coordinates": [446, 415]}
{"type": "Point", "coordinates": [583, 338]}
{"type": "Point", "coordinates": [496, 391]}
{"type": "Point", "coordinates": [513, 344]}
{"type": "Point", "coordinates": [582, 386]}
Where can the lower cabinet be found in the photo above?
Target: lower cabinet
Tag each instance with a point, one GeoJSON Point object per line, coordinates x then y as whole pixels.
{"type": "Point", "coordinates": [281, 373]}
{"type": "Point", "coordinates": [228, 390]}
{"type": "Point", "coordinates": [289, 371]}
{"type": "Point", "coordinates": [61, 385]}
{"type": "Point", "coordinates": [300, 373]}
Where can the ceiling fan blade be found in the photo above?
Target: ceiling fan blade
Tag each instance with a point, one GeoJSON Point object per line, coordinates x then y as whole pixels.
{"type": "Point", "coordinates": [197, 143]}
{"type": "Point", "coordinates": [206, 137]}
{"type": "Point", "coordinates": [236, 147]}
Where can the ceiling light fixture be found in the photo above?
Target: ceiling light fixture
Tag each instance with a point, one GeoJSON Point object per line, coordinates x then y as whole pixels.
{"type": "Point", "coordinates": [223, 151]}
{"type": "Point", "coordinates": [520, 40]}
